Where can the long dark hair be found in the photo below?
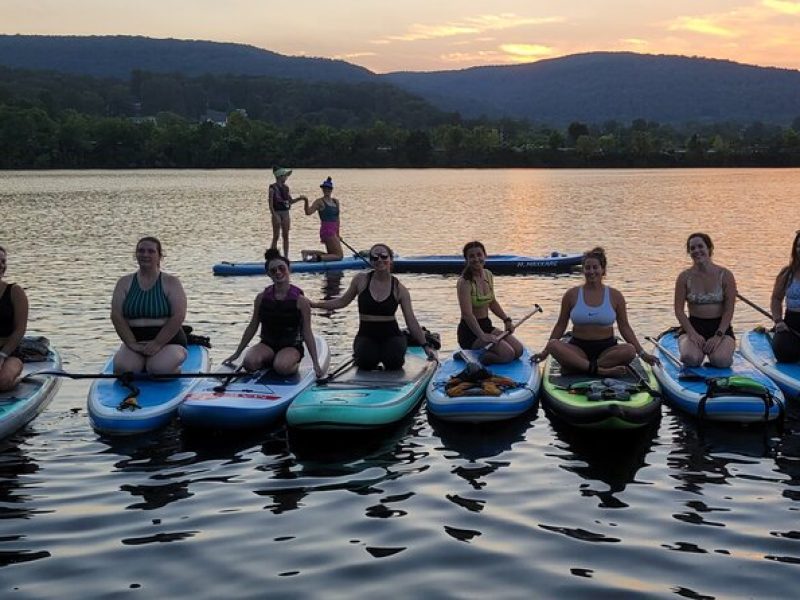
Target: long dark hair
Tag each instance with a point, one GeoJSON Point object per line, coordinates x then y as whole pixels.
{"type": "Point", "coordinates": [794, 262]}
{"type": "Point", "coordinates": [467, 272]}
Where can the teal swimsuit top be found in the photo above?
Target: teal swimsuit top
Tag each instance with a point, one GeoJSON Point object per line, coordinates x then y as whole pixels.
{"type": "Point", "coordinates": [603, 315]}
{"type": "Point", "coordinates": [329, 213]}
{"type": "Point", "coordinates": [149, 304]}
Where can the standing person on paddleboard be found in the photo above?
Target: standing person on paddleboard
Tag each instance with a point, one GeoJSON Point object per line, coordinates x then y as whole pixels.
{"type": "Point", "coordinates": [379, 339]}
{"type": "Point", "coordinates": [786, 343]}
{"type": "Point", "coordinates": [147, 309]}
{"type": "Point", "coordinates": [476, 298]}
{"type": "Point", "coordinates": [284, 314]}
{"type": "Point", "coordinates": [279, 200]}
{"type": "Point", "coordinates": [329, 210]}
{"type": "Point", "coordinates": [13, 323]}
{"type": "Point", "coordinates": [709, 292]}
{"type": "Point", "coordinates": [593, 309]}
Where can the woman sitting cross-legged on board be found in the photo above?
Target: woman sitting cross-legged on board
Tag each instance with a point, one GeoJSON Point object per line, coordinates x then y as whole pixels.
{"type": "Point", "coordinates": [13, 323]}
{"type": "Point", "coordinates": [284, 314]}
{"type": "Point", "coordinates": [593, 309]}
{"type": "Point", "coordinates": [476, 298]}
{"type": "Point", "coordinates": [379, 339]}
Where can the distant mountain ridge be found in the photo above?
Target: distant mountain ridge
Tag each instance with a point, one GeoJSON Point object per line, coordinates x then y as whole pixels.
{"type": "Point", "coordinates": [117, 56]}
{"type": "Point", "coordinates": [593, 87]}
{"type": "Point", "coordinates": [600, 86]}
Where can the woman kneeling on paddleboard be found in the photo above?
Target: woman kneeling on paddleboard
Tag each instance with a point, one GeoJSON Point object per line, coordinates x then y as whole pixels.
{"type": "Point", "coordinates": [13, 322]}
{"type": "Point", "coordinates": [593, 309]}
{"type": "Point", "coordinates": [476, 298]}
{"type": "Point", "coordinates": [709, 292]}
{"type": "Point", "coordinates": [329, 210]}
{"type": "Point", "coordinates": [786, 342]}
{"type": "Point", "coordinates": [147, 309]}
{"type": "Point", "coordinates": [379, 339]}
{"type": "Point", "coordinates": [284, 314]}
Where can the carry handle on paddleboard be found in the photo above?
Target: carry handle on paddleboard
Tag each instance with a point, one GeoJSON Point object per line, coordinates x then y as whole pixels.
{"type": "Point", "coordinates": [765, 313]}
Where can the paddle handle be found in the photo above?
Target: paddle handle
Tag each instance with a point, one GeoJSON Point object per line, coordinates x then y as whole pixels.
{"type": "Point", "coordinates": [666, 352]}
{"type": "Point", "coordinates": [505, 334]}
{"type": "Point", "coordinates": [752, 304]}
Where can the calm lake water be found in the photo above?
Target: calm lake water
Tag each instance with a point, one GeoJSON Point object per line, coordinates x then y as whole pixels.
{"type": "Point", "coordinates": [513, 510]}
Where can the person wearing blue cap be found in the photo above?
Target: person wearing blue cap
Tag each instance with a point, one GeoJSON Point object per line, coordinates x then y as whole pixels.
{"type": "Point", "coordinates": [280, 201]}
{"type": "Point", "coordinates": [329, 211]}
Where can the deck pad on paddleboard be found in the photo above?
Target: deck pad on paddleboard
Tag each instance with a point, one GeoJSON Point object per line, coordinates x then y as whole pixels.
{"type": "Point", "coordinates": [475, 406]}
{"type": "Point", "coordinates": [686, 388]}
{"type": "Point", "coordinates": [157, 400]}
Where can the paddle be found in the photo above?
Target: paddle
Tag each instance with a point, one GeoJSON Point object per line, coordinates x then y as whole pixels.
{"type": "Point", "coordinates": [336, 372]}
{"type": "Point", "coordinates": [134, 376]}
{"type": "Point", "coordinates": [471, 356]}
{"type": "Point", "coordinates": [229, 377]}
{"type": "Point", "coordinates": [355, 252]}
{"type": "Point", "coordinates": [685, 373]}
{"type": "Point", "coordinates": [765, 313]}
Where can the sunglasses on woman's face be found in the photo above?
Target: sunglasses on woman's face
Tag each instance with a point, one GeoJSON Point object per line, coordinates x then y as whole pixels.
{"type": "Point", "coordinates": [276, 269]}
{"type": "Point", "coordinates": [376, 257]}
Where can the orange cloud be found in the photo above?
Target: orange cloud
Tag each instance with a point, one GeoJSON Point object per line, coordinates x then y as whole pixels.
{"type": "Point", "coordinates": [704, 26]}
{"type": "Point", "coordinates": [526, 52]}
{"type": "Point", "coordinates": [470, 25]}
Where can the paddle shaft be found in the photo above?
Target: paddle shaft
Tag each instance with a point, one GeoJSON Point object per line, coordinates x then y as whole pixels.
{"type": "Point", "coordinates": [355, 252]}
{"type": "Point", "coordinates": [505, 334]}
{"type": "Point", "coordinates": [752, 304]}
{"type": "Point", "coordinates": [666, 352]}
{"type": "Point", "coordinates": [134, 376]}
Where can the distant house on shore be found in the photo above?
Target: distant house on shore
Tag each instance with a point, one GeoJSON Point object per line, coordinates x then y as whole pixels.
{"type": "Point", "coordinates": [221, 118]}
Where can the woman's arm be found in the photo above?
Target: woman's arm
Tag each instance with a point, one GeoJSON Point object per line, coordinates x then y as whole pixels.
{"type": "Point", "coordinates": [308, 335]}
{"type": "Point", "coordinates": [679, 307]}
{"type": "Point", "coordinates": [562, 322]}
{"type": "Point", "coordinates": [249, 331]}
{"type": "Point", "coordinates": [177, 302]}
{"type": "Point", "coordinates": [117, 319]}
{"type": "Point", "coordinates": [411, 320]}
{"type": "Point", "coordinates": [624, 326]}
{"type": "Point", "coordinates": [20, 303]}
{"type": "Point", "coordinates": [729, 302]}
{"type": "Point", "coordinates": [355, 288]}
{"type": "Point", "coordinates": [310, 209]}
{"type": "Point", "coordinates": [778, 294]}
{"type": "Point", "coordinates": [270, 199]}
{"type": "Point", "coordinates": [498, 310]}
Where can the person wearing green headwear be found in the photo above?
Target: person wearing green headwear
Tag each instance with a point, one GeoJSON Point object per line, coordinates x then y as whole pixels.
{"type": "Point", "coordinates": [280, 201]}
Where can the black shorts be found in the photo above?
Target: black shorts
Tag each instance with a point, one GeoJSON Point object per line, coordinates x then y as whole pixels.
{"type": "Point", "coordinates": [593, 348]}
{"type": "Point", "coordinates": [278, 344]}
{"type": "Point", "coordinates": [708, 327]}
{"type": "Point", "coordinates": [466, 338]}
{"type": "Point", "coordinates": [146, 334]}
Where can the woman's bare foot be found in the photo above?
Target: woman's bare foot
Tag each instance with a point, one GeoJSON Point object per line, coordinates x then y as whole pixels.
{"type": "Point", "coordinates": [618, 371]}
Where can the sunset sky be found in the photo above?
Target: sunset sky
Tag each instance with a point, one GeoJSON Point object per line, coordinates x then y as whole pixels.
{"type": "Point", "coordinates": [438, 34]}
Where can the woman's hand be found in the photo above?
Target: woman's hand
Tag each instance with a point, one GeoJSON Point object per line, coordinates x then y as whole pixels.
{"type": "Point", "coordinates": [318, 371]}
{"type": "Point", "coordinates": [650, 359]}
{"type": "Point", "coordinates": [780, 326]}
{"type": "Point", "coordinates": [137, 347]}
{"type": "Point", "coordinates": [711, 344]}
{"type": "Point", "coordinates": [429, 352]}
{"type": "Point", "coordinates": [696, 338]}
{"type": "Point", "coordinates": [539, 356]}
{"type": "Point", "coordinates": [509, 325]}
{"type": "Point", "coordinates": [230, 360]}
{"type": "Point", "coordinates": [487, 338]}
{"type": "Point", "coordinates": [151, 348]}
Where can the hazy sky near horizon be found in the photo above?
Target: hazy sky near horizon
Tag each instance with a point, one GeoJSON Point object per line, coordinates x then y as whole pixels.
{"type": "Point", "coordinates": [432, 35]}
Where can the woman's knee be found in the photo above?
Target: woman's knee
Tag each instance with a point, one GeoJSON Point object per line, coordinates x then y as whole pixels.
{"type": "Point", "coordinates": [286, 361]}
{"type": "Point", "coordinates": [168, 360]}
